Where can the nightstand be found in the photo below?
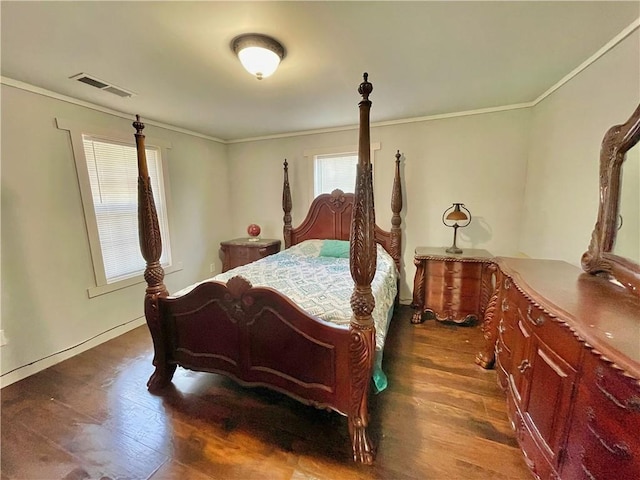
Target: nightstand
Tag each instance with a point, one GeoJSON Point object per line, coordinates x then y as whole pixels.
{"type": "Point", "coordinates": [241, 251]}
{"type": "Point", "coordinates": [451, 287]}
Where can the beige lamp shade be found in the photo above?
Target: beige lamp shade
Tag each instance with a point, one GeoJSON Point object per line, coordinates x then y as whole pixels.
{"type": "Point", "coordinates": [457, 214]}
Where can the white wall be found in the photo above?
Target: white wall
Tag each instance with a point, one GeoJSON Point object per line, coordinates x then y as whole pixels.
{"type": "Point", "coordinates": [529, 177]}
{"type": "Point", "coordinates": [479, 160]}
{"type": "Point", "coordinates": [46, 263]}
{"type": "Point", "coordinates": [561, 198]}
{"type": "Point", "coordinates": [539, 165]}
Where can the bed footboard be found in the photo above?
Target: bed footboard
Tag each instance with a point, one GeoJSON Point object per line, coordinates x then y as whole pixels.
{"type": "Point", "coordinates": [259, 338]}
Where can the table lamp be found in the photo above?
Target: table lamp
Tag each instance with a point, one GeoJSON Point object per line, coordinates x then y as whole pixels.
{"type": "Point", "coordinates": [455, 214]}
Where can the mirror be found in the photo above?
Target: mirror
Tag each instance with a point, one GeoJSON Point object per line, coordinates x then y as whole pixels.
{"type": "Point", "coordinates": [627, 242]}
{"type": "Point", "coordinates": [617, 197]}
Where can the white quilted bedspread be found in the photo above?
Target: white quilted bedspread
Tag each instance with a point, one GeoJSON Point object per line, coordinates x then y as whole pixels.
{"type": "Point", "coordinates": [322, 286]}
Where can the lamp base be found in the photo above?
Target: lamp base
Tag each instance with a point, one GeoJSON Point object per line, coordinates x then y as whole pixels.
{"type": "Point", "coordinates": [453, 249]}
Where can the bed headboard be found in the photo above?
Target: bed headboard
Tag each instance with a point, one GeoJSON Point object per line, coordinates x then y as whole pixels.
{"type": "Point", "coordinates": [330, 217]}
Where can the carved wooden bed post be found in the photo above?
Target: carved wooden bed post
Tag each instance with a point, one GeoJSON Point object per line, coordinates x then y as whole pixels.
{"type": "Point", "coordinates": [363, 267]}
{"type": "Point", "coordinates": [396, 208]}
{"type": "Point", "coordinates": [151, 248]}
{"type": "Point", "coordinates": [286, 206]}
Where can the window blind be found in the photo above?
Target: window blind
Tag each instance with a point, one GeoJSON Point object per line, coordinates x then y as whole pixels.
{"type": "Point", "coordinates": [113, 176]}
{"type": "Point", "coordinates": [335, 171]}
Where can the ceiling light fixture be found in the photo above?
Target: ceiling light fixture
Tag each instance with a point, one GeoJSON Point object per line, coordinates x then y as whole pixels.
{"type": "Point", "coordinates": [259, 54]}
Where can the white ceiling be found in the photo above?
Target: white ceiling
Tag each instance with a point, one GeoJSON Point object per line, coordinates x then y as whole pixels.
{"type": "Point", "coordinates": [423, 58]}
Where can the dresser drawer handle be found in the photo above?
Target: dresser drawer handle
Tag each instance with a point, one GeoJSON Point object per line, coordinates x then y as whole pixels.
{"type": "Point", "coordinates": [524, 365]}
{"type": "Point", "coordinates": [538, 321]}
{"type": "Point", "coordinates": [501, 327]}
{"type": "Point", "coordinates": [631, 404]}
{"type": "Point", "coordinates": [505, 305]}
{"type": "Point", "coordinates": [530, 463]}
{"type": "Point", "coordinates": [618, 449]}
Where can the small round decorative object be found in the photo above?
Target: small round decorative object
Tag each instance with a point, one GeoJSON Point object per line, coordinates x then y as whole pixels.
{"type": "Point", "coordinates": [253, 230]}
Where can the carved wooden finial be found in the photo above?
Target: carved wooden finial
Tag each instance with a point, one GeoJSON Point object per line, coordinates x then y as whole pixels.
{"type": "Point", "coordinates": [398, 155]}
{"type": "Point", "coordinates": [365, 87]}
{"type": "Point", "coordinates": [138, 125]}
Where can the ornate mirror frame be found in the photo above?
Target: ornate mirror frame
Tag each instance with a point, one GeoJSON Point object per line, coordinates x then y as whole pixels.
{"type": "Point", "coordinates": [600, 259]}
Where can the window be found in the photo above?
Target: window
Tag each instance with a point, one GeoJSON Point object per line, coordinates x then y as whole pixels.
{"type": "Point", "coordinates": [335, 171]}
{"type": "Point", "coordinates": [336, 168]}
{"type": "Point", "coordinates": [113, 175]}
{"type": "Point", "coordinates": [107, 168]}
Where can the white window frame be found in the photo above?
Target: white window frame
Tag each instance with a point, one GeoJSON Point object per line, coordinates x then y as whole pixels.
{"type": "Point", "coordinates": [343, 150]}
{"type": "Point", "coordinates": [76, 131]}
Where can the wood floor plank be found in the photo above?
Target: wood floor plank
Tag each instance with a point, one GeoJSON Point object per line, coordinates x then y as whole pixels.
{"type": "Point", "coordinates": [173, 470]}
{"type": "Point", "coordinates": [92, 416]}
{"type": "Point", "coordinates": [102, 452]}
{"type": "Point", "coordinates": [27, 455]}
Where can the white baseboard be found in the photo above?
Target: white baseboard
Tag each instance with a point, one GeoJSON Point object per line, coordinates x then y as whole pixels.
{"type": "Point", "coordinates": [39, 365]}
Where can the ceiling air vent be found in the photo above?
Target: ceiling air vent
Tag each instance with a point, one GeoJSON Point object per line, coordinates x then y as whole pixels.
{"type": "Point", "coordinates": [102, 85]}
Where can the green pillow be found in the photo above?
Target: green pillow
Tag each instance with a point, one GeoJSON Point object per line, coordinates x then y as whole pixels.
{"type": "Point", "coordinates": [335, 248]}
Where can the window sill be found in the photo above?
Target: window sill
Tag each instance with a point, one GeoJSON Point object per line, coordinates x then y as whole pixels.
{"type": "Point", "coordinates": [112, 287]}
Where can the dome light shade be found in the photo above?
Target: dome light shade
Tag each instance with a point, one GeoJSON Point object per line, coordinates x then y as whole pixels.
{"type": "Point", "coordinates": [259, 54]}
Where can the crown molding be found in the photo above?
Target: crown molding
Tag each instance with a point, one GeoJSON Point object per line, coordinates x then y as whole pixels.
{"type": "Point", "coordinates": [385, 123]}
{"type": "Point", "coordinates": [64, 98]}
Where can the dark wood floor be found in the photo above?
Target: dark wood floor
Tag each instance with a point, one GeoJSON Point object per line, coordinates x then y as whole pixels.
{"type": "Point", "coordinates": [91, 417]}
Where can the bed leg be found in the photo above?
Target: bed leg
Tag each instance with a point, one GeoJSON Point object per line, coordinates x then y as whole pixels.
{"type": "Point", "coordinates": [361, 350]}
{"type": "Point", "coordinates": [161, 377]}
{"type": "Point", "coordinates": [362, 447]}
{"type": "Point", "coordinates": [164, 371]}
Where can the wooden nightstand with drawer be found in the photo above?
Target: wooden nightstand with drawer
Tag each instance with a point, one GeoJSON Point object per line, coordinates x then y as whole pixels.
{"type": "Point", "coordinates": [241, 251]}
{"type": "Point", "coordinates": [451, 287]}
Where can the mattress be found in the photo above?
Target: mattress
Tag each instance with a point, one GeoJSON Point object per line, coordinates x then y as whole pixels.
{"type": "Point", "coordinates": [321, 285]}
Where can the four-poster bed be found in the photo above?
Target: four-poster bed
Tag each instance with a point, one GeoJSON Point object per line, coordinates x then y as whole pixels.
{"type": "Point", "coordinates": [259, 337]}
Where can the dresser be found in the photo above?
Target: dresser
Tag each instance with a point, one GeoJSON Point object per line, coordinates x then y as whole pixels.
{"type": "Point", "coordinates": [451, 287]}
{"type": "Point", "coordinates": [566, 346]}
{"type": "Point", "coordinates": [241, 251]}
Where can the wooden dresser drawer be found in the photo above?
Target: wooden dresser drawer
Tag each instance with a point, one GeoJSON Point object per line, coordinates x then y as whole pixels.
{"type": "Point", "coordinates": [604, 440]}
{"type": "Point", "coordinates": [558, 337]}
{"type": "Point", "coordinates": [451, 286]}
{"type": "Point", "coordinates": [458, 269]}
{"type": "Point", "coordinates": [241, 251]}
{"type": "Point", "coordinates": [533, 456]}
{"type": "Point", "coordinates": [612, 389]}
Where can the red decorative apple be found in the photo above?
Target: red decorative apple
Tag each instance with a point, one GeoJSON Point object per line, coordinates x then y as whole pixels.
{"type": "Point", "coordinates": [253, 230]}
